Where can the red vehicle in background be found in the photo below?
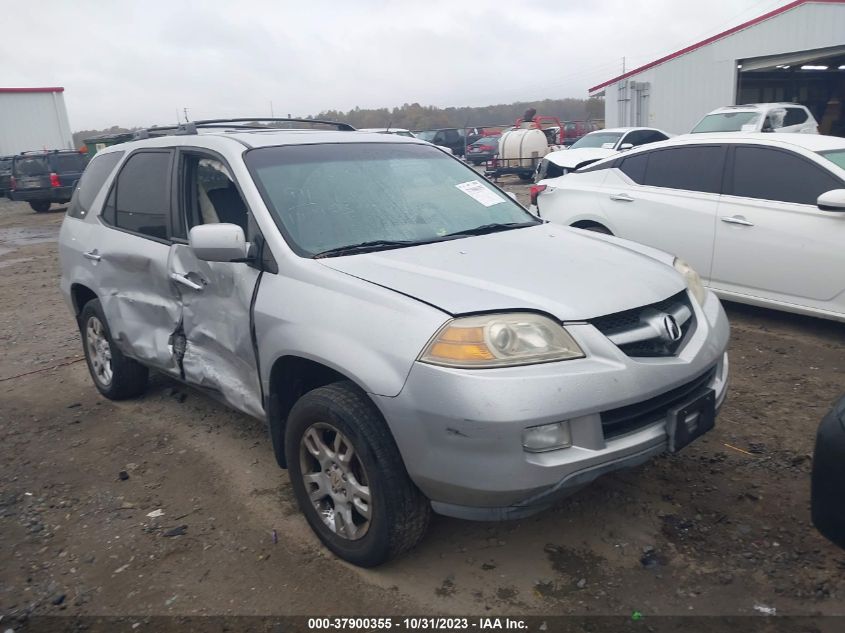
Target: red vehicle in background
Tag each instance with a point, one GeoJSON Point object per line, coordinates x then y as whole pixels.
{"type": "Point", "coordinates": [573, 130]}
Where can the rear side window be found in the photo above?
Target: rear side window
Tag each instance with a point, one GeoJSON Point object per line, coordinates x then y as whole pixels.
{"type": "Point", "coordinates": [770, 174]}
{"type": "Point", "coordinates": [68, 163]}
{"type": "Point", "coordinates": [93, 179]}
{"type": "Point", "coordinates": [693, 168]}
{"type": "Point", "coordinates": [794, 116]}
{"type": "Point", "coordinates": [142, 194]}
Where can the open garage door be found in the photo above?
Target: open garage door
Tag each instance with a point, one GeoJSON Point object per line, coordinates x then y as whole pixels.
{"type": "Point", "coordinates": [814, 78]}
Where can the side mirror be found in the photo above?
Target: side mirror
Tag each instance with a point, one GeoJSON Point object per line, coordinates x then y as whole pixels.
{"type": "Point", "coordinates": [625, 146]}
{"type": "Point", "coordinates": [218, 242]}
{"type": "Point", "coordinates": [833, 200]}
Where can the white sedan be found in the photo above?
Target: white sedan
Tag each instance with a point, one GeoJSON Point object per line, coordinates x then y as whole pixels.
{"type": "Point", "coordinates": [760, 216]}
{"type": "Point", "coordinates": [595, 146]}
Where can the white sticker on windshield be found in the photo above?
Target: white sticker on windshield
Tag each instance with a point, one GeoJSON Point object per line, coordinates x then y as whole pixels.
{"type": "Point", "coordinates": [480, 193]}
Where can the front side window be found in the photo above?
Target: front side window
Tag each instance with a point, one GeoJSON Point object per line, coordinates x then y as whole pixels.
{"type": "Point", "coordinates": [771, 174]}
{"type": "Point", "coordinates": [642, 137]}
{"type": "Point", "coordinates": [208, 195]}
{"type": "Point", "coordinates": [93, 179]}
{"type": "Point", "coordinates": [691, 168]}
{"type": "Point", "coordinates": [142, 194]}
{"type": "Point", "coordinates": [597, 139]}
{"type": "Point", "coordinates": [727, 122]}
{"type": "Point", "coordinates": [330, 196]}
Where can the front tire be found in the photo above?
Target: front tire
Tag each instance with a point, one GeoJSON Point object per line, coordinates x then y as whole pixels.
{"type": "Point", "coordinates": [349, 479]}
{"type": "Point", "coordinates": [40, 206]}
{"type": "Point", "coordinates": [115, 376]}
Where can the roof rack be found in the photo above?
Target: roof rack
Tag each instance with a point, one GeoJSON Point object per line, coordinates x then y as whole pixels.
{"type": "Point", "coordinates": [48, 151]}
{"type": "Point", "coordinates": [191, 127]}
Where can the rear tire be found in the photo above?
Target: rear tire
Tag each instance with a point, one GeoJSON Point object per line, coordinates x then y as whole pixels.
{"type": "Point", "coordinates": [345, 469]}
{"type": "Point", "coordinates": [40, 206]}
{"type": "Point", "coordinates": [115, 376]}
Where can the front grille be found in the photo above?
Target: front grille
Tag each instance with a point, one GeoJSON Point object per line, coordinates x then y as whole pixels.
{"type": "Point", "coordinates": [641, 332]}
{"type": "Point", "coordinates": [632, 417]}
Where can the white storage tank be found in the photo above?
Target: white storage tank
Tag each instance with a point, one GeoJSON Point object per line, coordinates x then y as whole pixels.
{"type": "Point", "coordinates": [519, 147]}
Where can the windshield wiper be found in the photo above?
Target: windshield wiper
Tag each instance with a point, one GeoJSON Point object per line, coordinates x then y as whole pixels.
{"type": "Point", "coordinates": [484, 229]}
{"type": "Point", "coordinates": [367, 247]}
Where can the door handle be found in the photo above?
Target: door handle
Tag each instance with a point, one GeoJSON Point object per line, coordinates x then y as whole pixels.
{"type": "Point", "coordinates": [736, 219]}
{"type": "Point", "coordinates": [183, 279]}
{"type": "Point", "coordinates": [622, 197]}
{"type": "Point", "coordinates": [92, 255]}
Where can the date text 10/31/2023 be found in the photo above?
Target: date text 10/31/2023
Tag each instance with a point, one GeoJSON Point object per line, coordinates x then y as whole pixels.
{"type": "Point", "coordinates": [417, 624]}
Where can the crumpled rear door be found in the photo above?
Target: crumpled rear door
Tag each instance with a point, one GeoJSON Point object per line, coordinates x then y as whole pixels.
{"type": "Point", "coordinates": [213, 341]}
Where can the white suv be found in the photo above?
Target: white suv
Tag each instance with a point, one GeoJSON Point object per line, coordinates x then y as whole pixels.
{"type": "Point", "coordinates": [759, 117]}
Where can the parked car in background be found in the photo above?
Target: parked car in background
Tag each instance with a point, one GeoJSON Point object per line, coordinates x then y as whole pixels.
{"type": "Point", "coordinates": [42, 178]}
{"type": "Point", "coordinates": [759, 117]}
{"type": "Point", "coordinates": [760, 216]}
{"type": "Point", "coordinates": [484, 149]}
{"type": "Point", "coordinates": [828, 479]}
{"type": "Point", "coordinates": [451, 137]}
{"type": "Point", "coordinates": [389, 335]}
{"type": "Point", "coordinates": [5, 175]}
{"type": "Point", "coordinates": [595, 146]}
{"type": "Point", "coordinates": [398, 131]}
{"type": "Point", "coordinates": [574, 130]}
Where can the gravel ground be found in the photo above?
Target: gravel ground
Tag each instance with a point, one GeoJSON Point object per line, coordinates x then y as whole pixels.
{"type": "Point", "coordinates": [721, 528]}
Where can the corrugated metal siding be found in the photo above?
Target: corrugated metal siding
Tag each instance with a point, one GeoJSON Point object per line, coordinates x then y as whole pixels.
{"type": "Point", "coordinates": [33, 121]}
{"type": "Point", "coordinates": [685, 88]}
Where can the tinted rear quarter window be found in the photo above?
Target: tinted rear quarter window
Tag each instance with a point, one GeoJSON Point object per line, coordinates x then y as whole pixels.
{"type": "Point", "coordinates": [794, 116]}
{"type": "Point", "coordinates": [142, 199]}
{"type": "Point", "coordinates": [693, 168]}
{"type": "Point", "coordinates": [68, 162]}
{"type": "Point", "coordinates": [93, 179]}
{"type": "Point", "coordinates": [774, 174]}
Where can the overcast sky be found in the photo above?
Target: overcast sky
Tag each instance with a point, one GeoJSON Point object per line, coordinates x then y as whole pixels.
{"type": "Point", "coordinates": [138, 63]}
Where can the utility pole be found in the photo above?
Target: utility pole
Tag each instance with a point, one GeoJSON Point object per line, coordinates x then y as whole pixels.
{"type": "Point", "coordinates": [185, 110]}
{"type": "Point", "coordinates": [623, 65]}
{"type": "Point", "coordinates": [271, 109]}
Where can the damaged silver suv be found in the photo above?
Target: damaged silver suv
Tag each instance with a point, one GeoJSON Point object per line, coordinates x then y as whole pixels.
{"type": "Point", "coordinates": [414, 338]}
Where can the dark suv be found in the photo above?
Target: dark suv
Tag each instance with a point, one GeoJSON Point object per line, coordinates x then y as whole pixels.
{"type": "Point", "coordinates": [5, 175]}
{"type": "Point", "coordinates": [42, 178]}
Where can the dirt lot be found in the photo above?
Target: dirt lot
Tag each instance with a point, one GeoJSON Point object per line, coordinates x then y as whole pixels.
{"type": "Point", "coordinates": [713, 530]}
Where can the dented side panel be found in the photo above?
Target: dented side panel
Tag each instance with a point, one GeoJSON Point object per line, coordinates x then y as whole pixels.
{"type": "Point", "coordinates": [213, 334]}
{"type": "Point", "coordinates": [138, 299]}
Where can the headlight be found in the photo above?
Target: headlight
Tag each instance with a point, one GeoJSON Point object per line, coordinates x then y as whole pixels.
{"type": "Point", "coordinates": [693, 280]}
{"type": "Point", "coordinates": [500, 340]}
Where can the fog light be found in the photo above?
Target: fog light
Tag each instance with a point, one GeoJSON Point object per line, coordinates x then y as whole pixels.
{"type": "Point", "coordinates": [549, 437]}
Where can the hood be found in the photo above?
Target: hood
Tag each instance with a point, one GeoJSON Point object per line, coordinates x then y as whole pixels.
{"type": "Point", "coordinates": [548, 268]}
{"type": "Point", "coordinates": [571, 158]}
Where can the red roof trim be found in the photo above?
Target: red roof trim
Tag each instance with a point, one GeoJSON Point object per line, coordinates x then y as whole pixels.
{"type": "Point", "coordinates": [710, 40]}
{"type": "Point", "coordinates": [54, 89]}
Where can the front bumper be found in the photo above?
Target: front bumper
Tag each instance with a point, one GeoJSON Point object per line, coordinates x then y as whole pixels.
{"type": "Point", "coordinates": [460, 431]}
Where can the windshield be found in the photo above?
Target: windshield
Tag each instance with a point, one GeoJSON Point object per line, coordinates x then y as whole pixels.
{"type": "Point", "coordinates": [329, 196]}
{"type": "Point", "coordinates": [492, 141]}
{"type": "Point", "coordinates": [400, 133]}
{"type": "Point", "coordinates": [726, 122]}
{"type": "Point", "coordinates": [597, 139]}
{"type": "Point", "coordinates": [837, 157]}
{"type": "Point", "coordinates": [426, 135]}
{"type": "Point", "coordinates": [31, 166]}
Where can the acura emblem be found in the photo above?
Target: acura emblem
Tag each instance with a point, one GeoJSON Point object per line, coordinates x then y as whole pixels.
{"type": "Point", "coordinates": [673, 330]}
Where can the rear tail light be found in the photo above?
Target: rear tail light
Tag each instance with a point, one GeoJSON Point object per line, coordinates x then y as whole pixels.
{"type": "Point", "coordinates": [535, 191]}
{"type": "Point", "coordinates": [13, 183]}
{"type": "Point", "coordinates": [486, 148]}
{"type": "Point", "coordinates": [54, 180]}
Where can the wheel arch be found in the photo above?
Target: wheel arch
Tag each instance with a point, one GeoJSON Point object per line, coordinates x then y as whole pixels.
{"type": "Point", "coordinates": [591, 224]}
{"type": "Point", "coordinates": [80, 294]}
{"type": "Point", "coordinates": [292, 376]}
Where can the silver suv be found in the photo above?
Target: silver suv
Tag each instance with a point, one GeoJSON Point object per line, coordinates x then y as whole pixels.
{"type": "Point", "coordinates": [413, 337]}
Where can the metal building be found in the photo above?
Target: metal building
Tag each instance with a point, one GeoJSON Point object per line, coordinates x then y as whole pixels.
{"type": "Point", "coordinates": [795, 53]}
{"type": "Point", "coordinates": [33, 119]}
